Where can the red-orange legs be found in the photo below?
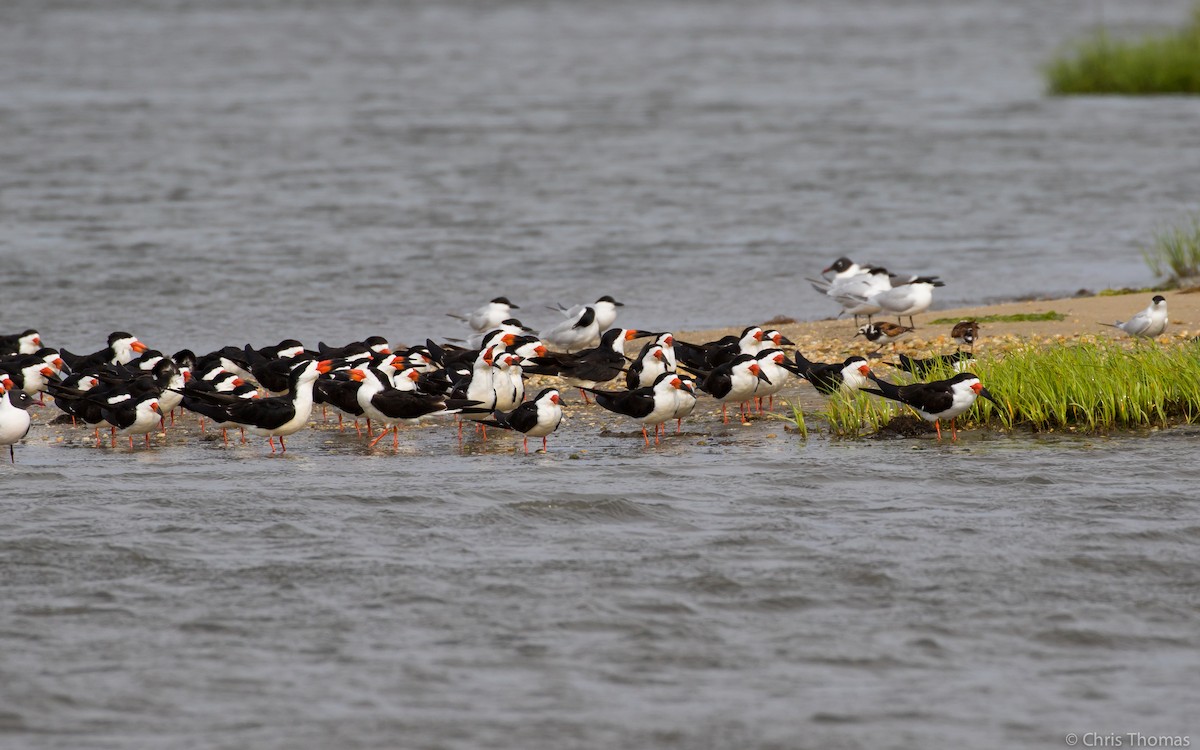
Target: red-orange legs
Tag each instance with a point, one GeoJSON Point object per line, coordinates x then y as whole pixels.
{"type": "Point", "coordinates": [395, 430]}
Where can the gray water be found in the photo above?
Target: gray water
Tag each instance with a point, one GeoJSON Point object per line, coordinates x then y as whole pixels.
{"type": "Point", "coordinates": [204, 174]}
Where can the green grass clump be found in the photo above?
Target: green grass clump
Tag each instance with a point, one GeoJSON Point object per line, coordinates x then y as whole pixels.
{"type": "Point", "coordinates": [1129, 290]}
{"type": "Point", "coordinates": [1176, 252]}
{"type": "Point", "coordinates": [1167, 64]}
{"type": "Point", "coordinates": [1014, 318]}
{"type": "Point", "coordinates": [1094, 387]}
{"type": "Point", "coordinates": [858, 414]}
{"type": "Point", "coordinates": [796, 420]}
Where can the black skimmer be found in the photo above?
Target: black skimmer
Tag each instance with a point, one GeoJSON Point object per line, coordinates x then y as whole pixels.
{"type": "Point", "coordinates": [650, 363]}
{"type": "Point", "coordinates": [479, 387]}
{"type": "Point", "coordinates": [685, 401]}
{"type": "Point", "coordinates": [171, 398]}
{"type": "Point", "coordinates": [531, 355]}
{"type": "Point", "coordinates": [1149, 322]}
{"type": "Point", "coordinates": [358, 351]}
{"type": "Point", "coordinates": [276, 416]}
{"type": "Point", "coordinates": [733, 381]}
{"type": "Point", "coordinates": [78, 399]}
{"type": "Point", "coordinates": [33, 372]}
{"type": "Point", "coordinates": [773, 363]}
{"type": "Point", "coordinates": [650, 406]}
{"type": "Point", "coordinates": [707, 356]}
{"type": "Point", "coordinates": [196, 390]}
{"type": "Point", "coordinates": [14, 418]}
{"type": "Point", "coordinates": [600, 364]}
{"type": "Point", "coordinates": [118, 395]}
{"type": "Point", "coordinates": [774, 339]}
{"type": "Point", "coordinates": [273, 366]}
{"type": "Point", "coordinates": [486, 338]}
{"type": "Point", "coordinates": [922, 367]}
{"type": "Point", "coordinates": [488, 316]}
{"type": "Point", "coordinates": [132, 415]}
{"type": "Point", "coordinates": [78, 382]}
{"type": "Point", "coordinates": [965, 333]}
{"type": "Point", "coordinates": [460, 361]}
{"type": "Point", "coordinates": [884, 332]}
{"type": "Point", "coordinates": [419, 358]}
{"type": "Point", "coordinates": [339, 390]}
{"type": "Point", "coordinates": [829, 378]}
{"type": "Point", "coordinates": [906, 299]}
{"type": "Point", "coordinates": [508, 381]}
{"type": "Point", "coordinates": [380, 400]}
{"type": "Point", "coordinates": [121, 348]}
{"type": "Point", "coordinates": [938, 399]}
{"type": "Point", "coordinates": [26, 342]}
{"type": "Point", "coordinates": [536, 418]}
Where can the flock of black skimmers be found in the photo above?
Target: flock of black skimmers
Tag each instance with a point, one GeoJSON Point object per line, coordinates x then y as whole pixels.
{"type": "Point", "coordinates": [480, 380]}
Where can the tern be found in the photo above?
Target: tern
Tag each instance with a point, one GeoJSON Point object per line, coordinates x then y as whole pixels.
{"type": "Point", "coordinates": [1148, 323]}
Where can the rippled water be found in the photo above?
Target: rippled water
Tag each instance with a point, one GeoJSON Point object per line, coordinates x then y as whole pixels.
{"type": "Point", "coordinates": [203, 174]}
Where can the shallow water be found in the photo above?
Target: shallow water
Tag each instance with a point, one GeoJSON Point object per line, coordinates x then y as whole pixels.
{"type": "Point", "coordinates": [219, 173]}
{"type": "Point", "coordinates": [723, 590]}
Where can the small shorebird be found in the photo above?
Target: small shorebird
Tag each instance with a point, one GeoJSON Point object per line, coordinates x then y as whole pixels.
{"type": "Point", "coordinates": [965, 333]}
{"type": "Point", "coordinates": [884, 333]}
{"type": "Point", "coordinates": [1149, 322]}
